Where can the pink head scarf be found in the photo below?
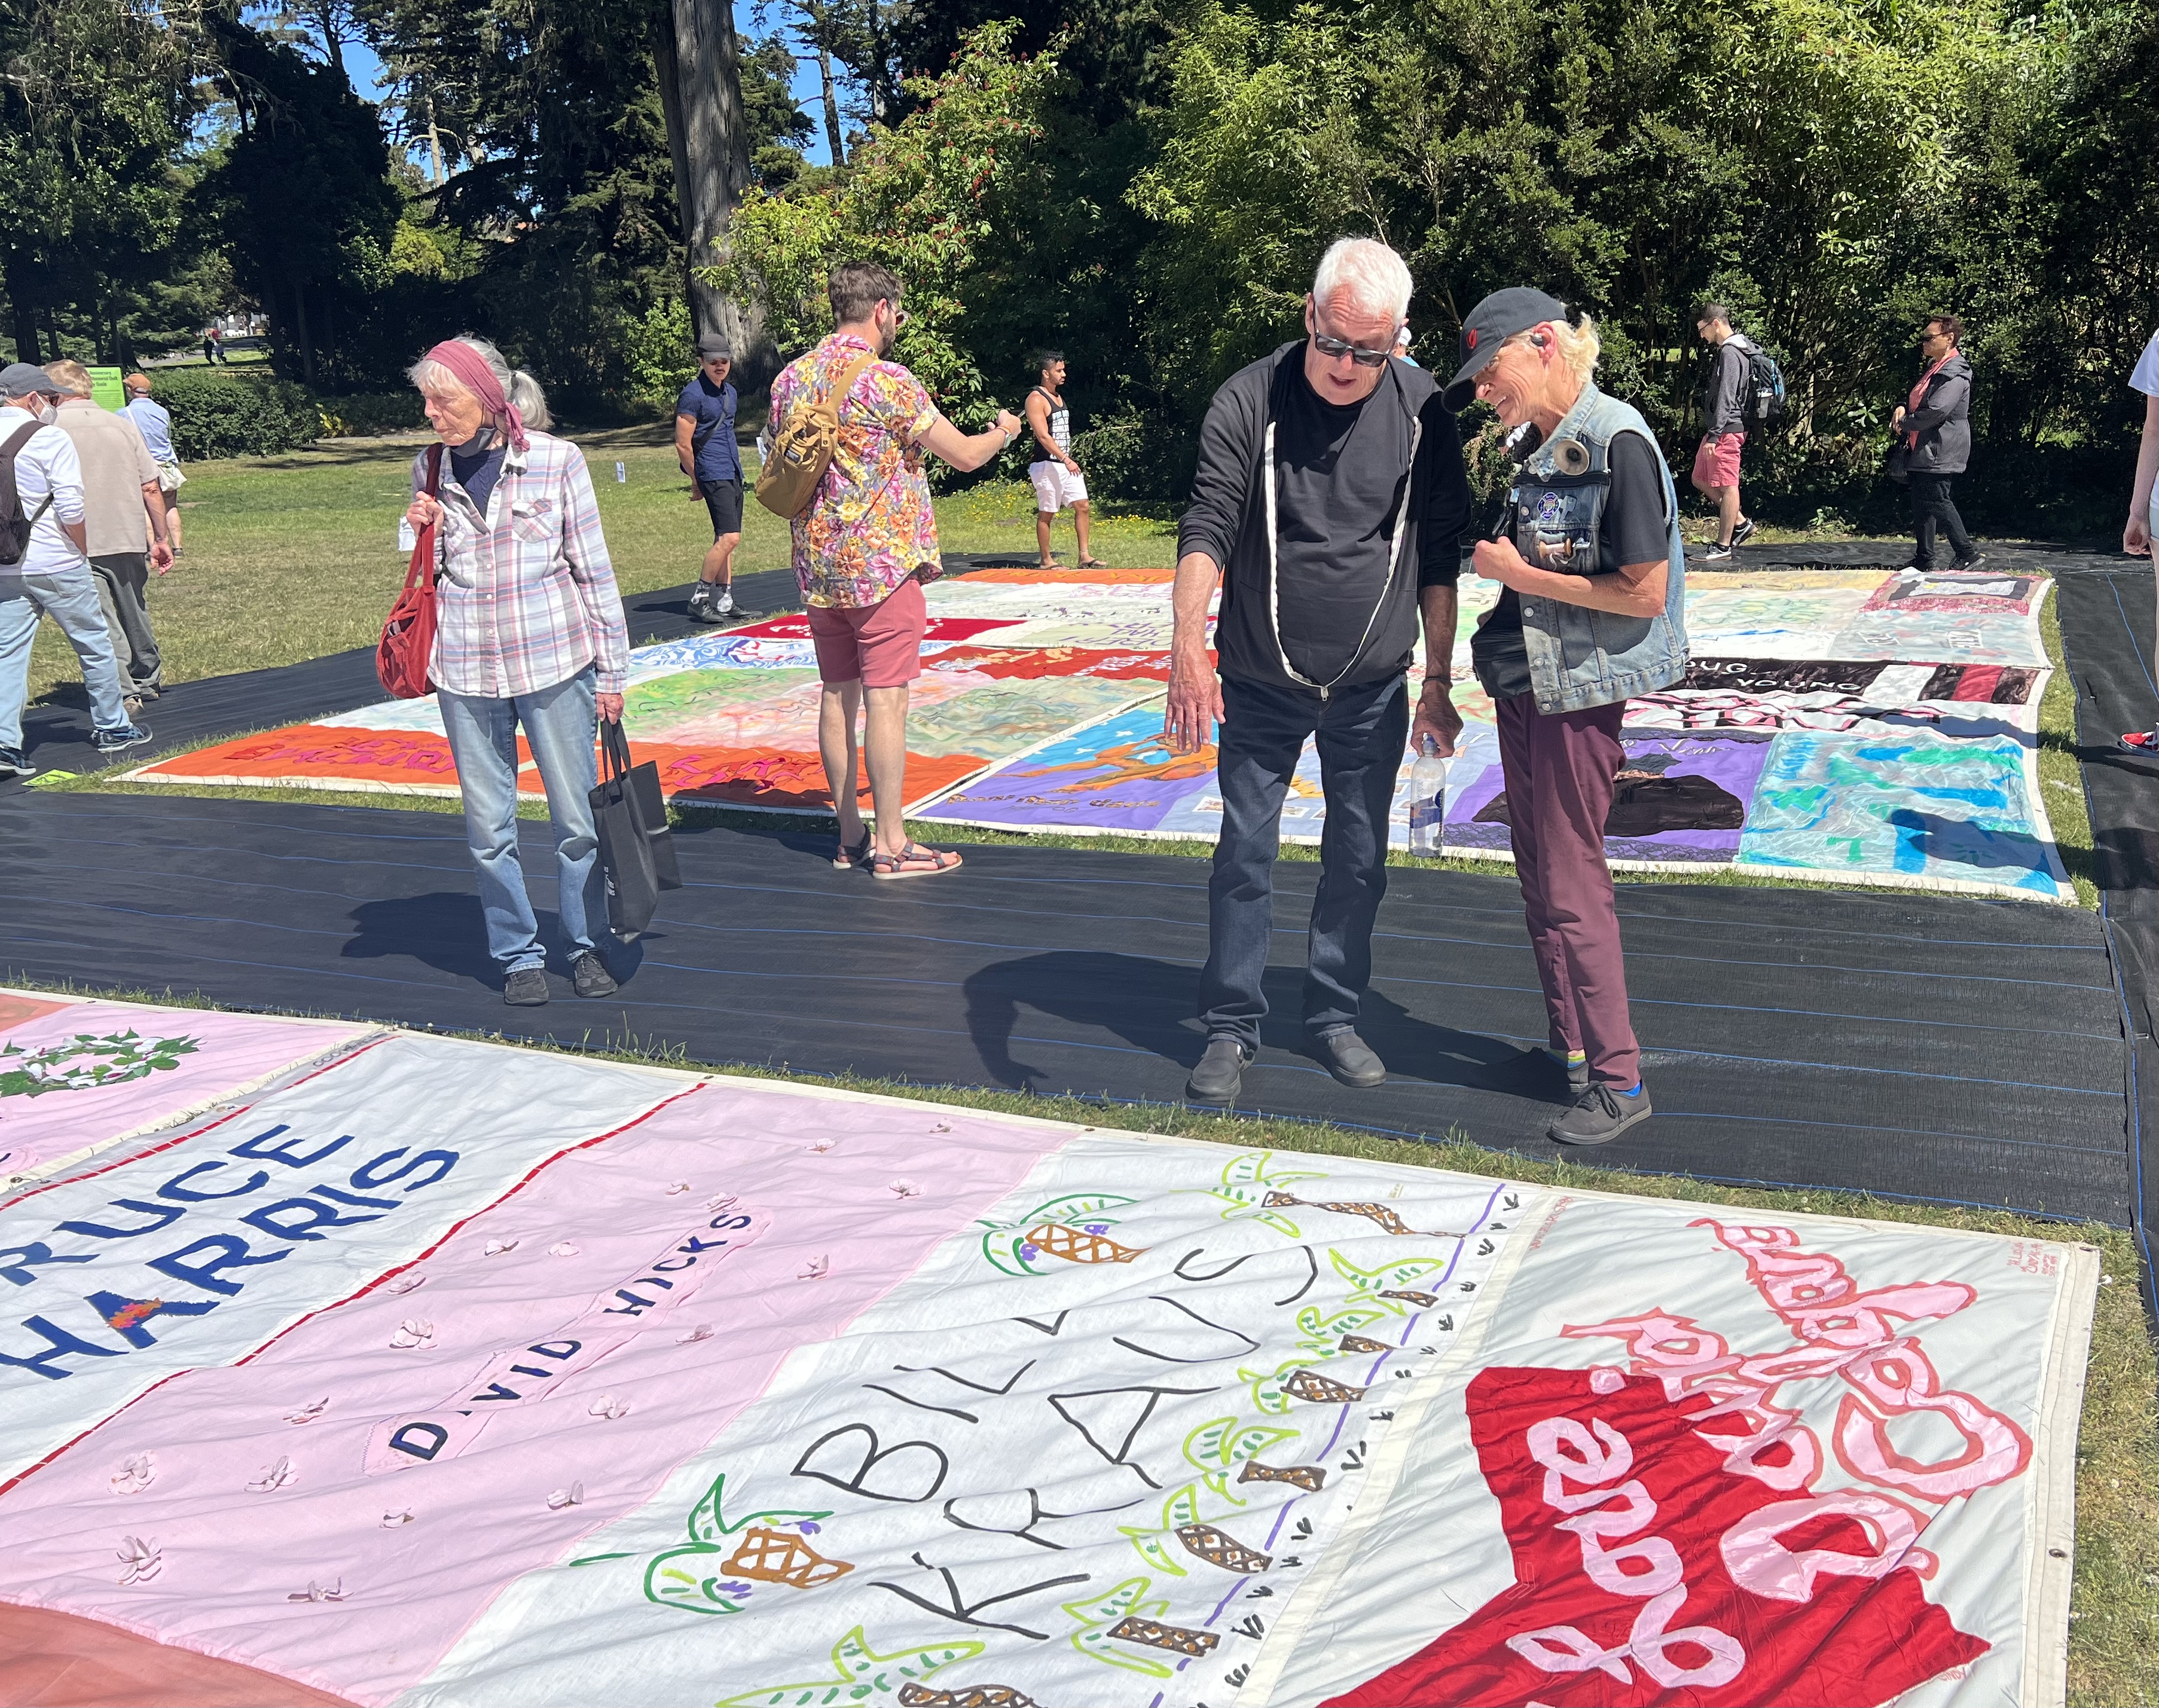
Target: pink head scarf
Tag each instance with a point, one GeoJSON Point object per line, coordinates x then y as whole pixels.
{"type": "Point", "coordinates": [472, 371]}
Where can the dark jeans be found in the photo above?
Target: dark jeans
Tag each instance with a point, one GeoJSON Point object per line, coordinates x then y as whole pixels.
{"type": "Point", "coordinates": [1932, 504]}
{"type": "Point", "coordinates": [1363, 732]}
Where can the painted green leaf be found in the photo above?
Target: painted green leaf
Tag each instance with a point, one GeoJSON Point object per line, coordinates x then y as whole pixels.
{"type": "Point", "coordinates": [861, 1674]}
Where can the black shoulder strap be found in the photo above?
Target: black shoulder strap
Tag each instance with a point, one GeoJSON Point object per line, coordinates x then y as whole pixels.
{"type": "Point", "coordinates": [8, 451]}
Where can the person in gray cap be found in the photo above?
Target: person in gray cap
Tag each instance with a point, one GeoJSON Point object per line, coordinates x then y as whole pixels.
{"type": "Point", "coordinates": [45, 569]}
{"type": "Point", "coordinates": [1595, 575]}
{"type": "Point", "coordinates": [705, 446]}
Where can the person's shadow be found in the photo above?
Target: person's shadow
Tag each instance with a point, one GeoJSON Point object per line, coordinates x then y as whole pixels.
{"type": "Point", "coordinates": [1148, 1004]}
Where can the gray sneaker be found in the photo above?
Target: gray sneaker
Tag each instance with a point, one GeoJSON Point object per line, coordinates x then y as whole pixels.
{"type": "Point", "coordinates": [1220, 1071]}
{"type": "Point", "coordinates": [14, 764]}
{"type": "Point", "coordinates": [724, 605]}
{"type": "Point", "coordinates": [120, 739]}
{"type": "Point", "coordinates": [525, 988]}
{"type": "Point", "coordinates": [1601, 1116]}
{"type": "Point", "coordinates": [702, 607]}
{"type": "Point", "coordinates": [1350, 1058]}
{"type": "Point", "coordinates": [588, 973]}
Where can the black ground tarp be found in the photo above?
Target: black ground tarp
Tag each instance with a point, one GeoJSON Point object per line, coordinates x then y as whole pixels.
{"type": "Point", "coordinates": [1936, 1048]}
{"type": "Point", "coordinates": [56, 735]}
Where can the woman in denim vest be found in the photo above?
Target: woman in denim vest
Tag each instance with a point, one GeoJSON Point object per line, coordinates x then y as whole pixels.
{"type": "Point", "coordinates": [1594, 572]}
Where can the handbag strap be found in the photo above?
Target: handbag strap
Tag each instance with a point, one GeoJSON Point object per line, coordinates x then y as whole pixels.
{"type": "Point", "coordinates": [614, 749]}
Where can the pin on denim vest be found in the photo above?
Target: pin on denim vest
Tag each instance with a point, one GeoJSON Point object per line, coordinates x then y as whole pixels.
{"type": "Point", "coordinates": [1580, 658]}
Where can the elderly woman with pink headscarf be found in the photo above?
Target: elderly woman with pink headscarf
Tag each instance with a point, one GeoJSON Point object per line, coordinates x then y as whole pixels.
{"type": "Point", "coordinates": [528, 636]}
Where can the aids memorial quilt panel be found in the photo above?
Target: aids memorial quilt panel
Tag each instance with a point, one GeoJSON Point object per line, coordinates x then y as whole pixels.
{"type": "Point", "coordinates": [458, 1375]}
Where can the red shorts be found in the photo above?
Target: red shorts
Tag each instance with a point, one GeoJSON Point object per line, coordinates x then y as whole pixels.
{"type": "Point", "coordinates": [1716, 463]}
{"type": "Point", "coordinates": [879, 645]}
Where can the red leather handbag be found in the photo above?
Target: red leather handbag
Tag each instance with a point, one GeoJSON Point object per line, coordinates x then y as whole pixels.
{"type": "Point", "coordinates": [407, 645]}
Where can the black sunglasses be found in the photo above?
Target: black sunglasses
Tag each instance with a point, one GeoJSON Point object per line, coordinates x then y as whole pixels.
{"type": "Point", "coordinates": [1335, 348]}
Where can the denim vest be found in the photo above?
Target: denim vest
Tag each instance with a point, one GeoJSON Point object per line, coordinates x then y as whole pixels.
{"type": "Point", "coordinates": [1580, 658]}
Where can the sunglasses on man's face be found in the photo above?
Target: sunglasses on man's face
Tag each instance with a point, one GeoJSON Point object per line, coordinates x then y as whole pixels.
{"type": "Point", "coordinates": [1334, 348]}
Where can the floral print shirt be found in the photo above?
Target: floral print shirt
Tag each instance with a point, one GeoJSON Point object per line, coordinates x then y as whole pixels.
{"type": "Point", "coordinates": [870, 526]}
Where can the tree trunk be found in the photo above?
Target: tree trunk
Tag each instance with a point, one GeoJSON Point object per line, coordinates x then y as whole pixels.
{"type": "Point", "coordinates": [300, 328]}
{"type": "Point", "coordinates": [434, 143]}
{"type": "Point", "coordinates": [26, 348]}
{"type": "Point", "coordinates": [831, 106]}
{"type": "Point", "coordinates": [700, 70]}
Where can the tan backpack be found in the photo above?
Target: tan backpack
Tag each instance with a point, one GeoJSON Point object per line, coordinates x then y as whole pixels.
{"type": "Point", "coordinates": [803, 450]}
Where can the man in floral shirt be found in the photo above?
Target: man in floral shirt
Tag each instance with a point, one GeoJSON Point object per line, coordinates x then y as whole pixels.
{"type": "Point", "coordinates": [862, 549]}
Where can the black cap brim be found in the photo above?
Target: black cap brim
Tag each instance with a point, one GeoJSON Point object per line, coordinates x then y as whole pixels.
{"type": "Point", "coordinates": [1462, 389]}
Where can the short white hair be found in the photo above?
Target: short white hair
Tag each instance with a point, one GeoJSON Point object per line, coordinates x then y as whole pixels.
{"type": "Point", "coordinates": [1372, 277]}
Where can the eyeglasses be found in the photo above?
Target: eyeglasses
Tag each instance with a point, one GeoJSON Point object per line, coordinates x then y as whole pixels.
{"type": "Point", "coordinates": [1334, 348]}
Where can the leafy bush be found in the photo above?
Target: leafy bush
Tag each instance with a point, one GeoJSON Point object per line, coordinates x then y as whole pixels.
{"type": "Point", "coordinates": [237, 414]}
{"type": "Point", "coordinates": [365, 414]}
{"type": "Point", "coordinates": [658, 356]}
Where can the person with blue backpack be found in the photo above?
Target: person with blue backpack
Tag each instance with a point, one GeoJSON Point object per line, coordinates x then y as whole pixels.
{"type": "Point", "coordinates": [1593, 612]}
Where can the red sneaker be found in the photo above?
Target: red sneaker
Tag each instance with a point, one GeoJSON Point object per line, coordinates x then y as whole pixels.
{"type": "Point", "coordinates": [2139, 740]}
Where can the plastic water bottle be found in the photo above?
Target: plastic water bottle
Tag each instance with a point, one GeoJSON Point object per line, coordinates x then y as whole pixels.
{"type": "Point", "coordinates": [621, 474]}
{"type": "Point", "coordinates": [1427, 801]}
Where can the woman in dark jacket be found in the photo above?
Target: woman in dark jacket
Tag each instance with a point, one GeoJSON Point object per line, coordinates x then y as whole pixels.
{"type": "Point", "coordinates": [1937, 431]}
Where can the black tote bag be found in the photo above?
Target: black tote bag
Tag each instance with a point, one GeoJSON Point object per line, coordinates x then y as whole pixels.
{"type": "Point", "coordinates": [637, 850]}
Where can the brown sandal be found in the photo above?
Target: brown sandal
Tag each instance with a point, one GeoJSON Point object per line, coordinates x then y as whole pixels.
{"type": "Point", "coordinates": [913, 861]}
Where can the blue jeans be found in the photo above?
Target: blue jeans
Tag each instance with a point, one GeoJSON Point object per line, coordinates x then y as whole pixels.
{"type": "Point", "coordinates": [561, 725]}
{"type": "Point", "coordinates": [69, 597]}
{"type": "Point", "coordinates": [1363, 732]}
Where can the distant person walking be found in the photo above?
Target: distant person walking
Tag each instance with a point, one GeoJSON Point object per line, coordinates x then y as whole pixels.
{"type": "Point", "coordinates": [2142, 526]}
{"type": "Point", "coordinates": [122, 493]}
{"type": "Point", "coordinates": [529, 636]}
{"type": "Point", "coordinates": [705, 446]}
{"type": "Point", "coordinates": [862, 549]}
{"type": "Point", "coordinates": [1725, 385]}
{"type": "Point", "coordinates": [1595, 574]}
{"type": "Point", "coordinates": [1056, 476]}
{"type": "Point", "coordinates": [1328, 506]}
{"type": "Point", "coordinates": [213, 346]}
{"type": "Point", "coordinates": [44, 568]}
{"type": "Point", "coordinates": [156, 426]}
{"type": "Point", "coordinates": [1935, 421]}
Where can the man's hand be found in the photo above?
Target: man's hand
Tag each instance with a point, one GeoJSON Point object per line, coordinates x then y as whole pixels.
{"type": "Point", "coordinates": [610, 706]}
{"type": "Point", "coordinates": [1498, 561]}
{"type": "Point", "coordinates": [1437, 717]}
{"type": "Point", "coordinates": [2136, 537]}
{"type": "Point", "coordinates": [1195, 703]}
{"type": "Point", "coordinates": [161, 556]}
{"type": "Point", "coordinates": [422, 510]}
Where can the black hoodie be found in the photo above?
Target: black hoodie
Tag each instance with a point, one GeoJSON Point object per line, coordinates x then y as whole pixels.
{"type": "Point", "coordinates": [1340, 486]}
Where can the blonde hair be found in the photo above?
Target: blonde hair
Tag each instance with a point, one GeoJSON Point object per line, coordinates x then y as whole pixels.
{"type": "Point", "coordinates": [70, 374]}
{"type": "Point", "coordinates": [1579, 347]}
{"type": "Point", "coordinates": [522, 392]}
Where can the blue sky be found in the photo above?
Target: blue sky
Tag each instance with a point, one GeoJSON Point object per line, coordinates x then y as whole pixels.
{"type": "Point", "coordinates": [367, 73]}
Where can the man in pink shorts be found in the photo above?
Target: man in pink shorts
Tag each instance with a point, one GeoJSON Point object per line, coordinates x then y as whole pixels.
{"type": "Point", "coordinates": [862, 550]}
{"type": "Point", "coordinates": [1723, 427]}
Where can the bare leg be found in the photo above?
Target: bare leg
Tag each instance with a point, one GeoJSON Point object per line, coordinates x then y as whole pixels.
{"type": "Point", "coordinates": [884, 748]}
{"type": "Point", "coordinates": [1079, 521]}
{"type": "Point", "coordinates": [719, 561]}
{"type": "Point", "coordinates": [836, 746]}
{"type": "Point", "coordinates": [1043, 518]}
{"type": "Point", "coordinates": [1727, 513]}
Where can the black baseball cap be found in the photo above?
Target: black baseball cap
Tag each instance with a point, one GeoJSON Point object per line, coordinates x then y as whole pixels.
{"type": "Point", "coordinates": [1490, 325]}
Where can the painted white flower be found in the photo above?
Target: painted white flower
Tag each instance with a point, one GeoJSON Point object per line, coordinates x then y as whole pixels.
{"type": "Point", "coordinates": [574, 1495]}
{"type": "Point", "coordinates": [140, 1561]}
{"type": "Point", "coordinates": [319, 1593]}
{"type": "Point", "coordinates": [816, 1269]}
{"type": "Point", "coordinates": [496, 1248]}
{"type": "Point", "coordinates": [676, 1188]}
{"type": "Point", "coordinates": [703, 1331]}
{"type": "Point", "coordinates": [721, 1201]}
{"type": "Point", "coordinates": [562, 1248]}
{"type": "Point", "coordinates": [821, 1146]}
{"type": "Point", "coordinates": [276, 1474]}
{"type": "Point", "coordinates": [403, 1284]}
{"type": "Point", "coordinates": [393, 1520]}
{"type": "Point", "coordinates": [308, 1414]}
{"type": "Point", "coordinates": [905, 1189]}
{"type": "Point", "coordinates": [412, 1333]}
{"type": "Point", "coordinates": [607, 1407]}
{"type": "Point", "coordinates": [134, 1475]}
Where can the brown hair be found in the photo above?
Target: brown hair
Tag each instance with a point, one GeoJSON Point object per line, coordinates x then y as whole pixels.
{"type": "Point", "coordinates": [856, 287]}
{"type": "Point", "coordinates": [1948, 324]}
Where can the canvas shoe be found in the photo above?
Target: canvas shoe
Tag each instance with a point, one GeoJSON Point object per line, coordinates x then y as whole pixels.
{"type": "Point", "coordinates": [14, 764]}
{"type": "Point", "coordinates": [1967, 564]}
{"type": "Point", "coordinates": [1574, 1064]}
{"type": "Point", "coordinates": [1744, 532]}
{"type": "Point", "coordinates": [724, 605]}
{"type": "Point", "coordinates": [119, 739]}
{"type": "Point", "coordinates": [1221, 1072]}
{"type": "Point", "coordinates": [588, 973]}
{"type": "Point", "coordinates": [2145, 742]}
{"type": "Point", "coordinates": [526, 987]}
{"type": "Point", "coordinates": [700, 604]}
{"type": "Point", "coordinates": [1600, 1115]}
{"type": "Point", "coordinates": [1716, 553]}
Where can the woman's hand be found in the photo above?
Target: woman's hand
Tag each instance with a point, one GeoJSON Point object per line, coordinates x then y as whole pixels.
{"type": "Point", "coordinates": [422, 510]}
{"type": "Point", "coordinates": [1498, 561]}
{"type": "Point", "coordinates": [2136, 536]}
{"type": "Point", "coordinates": [610, 706]}
{"type": "Point", "coordinates": [1896, 416]}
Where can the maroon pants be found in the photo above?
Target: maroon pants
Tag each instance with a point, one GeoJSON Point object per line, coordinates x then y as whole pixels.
{"type": "Point", "coordinates": [1560, 771]}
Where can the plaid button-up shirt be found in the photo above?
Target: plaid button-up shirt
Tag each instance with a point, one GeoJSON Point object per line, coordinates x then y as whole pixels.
{"type": "Point", "coordinates": [526, 595]}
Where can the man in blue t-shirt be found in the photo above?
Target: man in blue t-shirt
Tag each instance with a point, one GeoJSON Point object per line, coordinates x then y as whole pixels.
{"type": "Point", "coordinates": [705, 446]}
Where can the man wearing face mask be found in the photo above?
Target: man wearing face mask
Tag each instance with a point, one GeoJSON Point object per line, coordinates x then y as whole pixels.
{"type": "Point", "coordinates": [45, 569]}
{"type": "Point", "coordinates": [1329, 504]}
{"type": "Point", "coordinates": [1594, 570]}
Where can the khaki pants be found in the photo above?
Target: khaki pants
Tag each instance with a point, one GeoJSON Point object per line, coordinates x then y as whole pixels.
{"type": "Point", "coordinates": [121, 579]}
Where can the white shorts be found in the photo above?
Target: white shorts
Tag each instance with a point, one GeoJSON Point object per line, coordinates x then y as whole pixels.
{"type": "Point", "coordinates": [170, 478]}
{"type": "Point", "coordinates": [1055, 486]}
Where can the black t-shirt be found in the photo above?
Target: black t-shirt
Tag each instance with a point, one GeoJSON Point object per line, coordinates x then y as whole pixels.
{"type": "Point", "coordinates": [1633, 530]}
{"type": "Point", "coordinates": [1337, 485]}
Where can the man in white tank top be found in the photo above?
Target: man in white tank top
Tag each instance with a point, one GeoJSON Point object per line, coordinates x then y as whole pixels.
{"type": "Point", "coordinates": [1058, 481]}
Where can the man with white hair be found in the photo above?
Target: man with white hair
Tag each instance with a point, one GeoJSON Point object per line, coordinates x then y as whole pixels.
{"type": "Point", "coordinates": [1328, 505]}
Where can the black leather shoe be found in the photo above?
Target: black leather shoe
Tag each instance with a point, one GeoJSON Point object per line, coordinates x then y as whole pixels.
{"type": "Point", "coordinates": [1220, 1071]}
{"type": "Point", "coordinates": [525, 988]}
{"type": "Point", "coordinates": [1350, 1058]}
{"type": "Point", "coordinates": [588, 973]}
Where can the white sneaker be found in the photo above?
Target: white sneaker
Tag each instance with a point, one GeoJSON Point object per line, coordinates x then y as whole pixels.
{"type": "Point", "coordinates": [724, 605]}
